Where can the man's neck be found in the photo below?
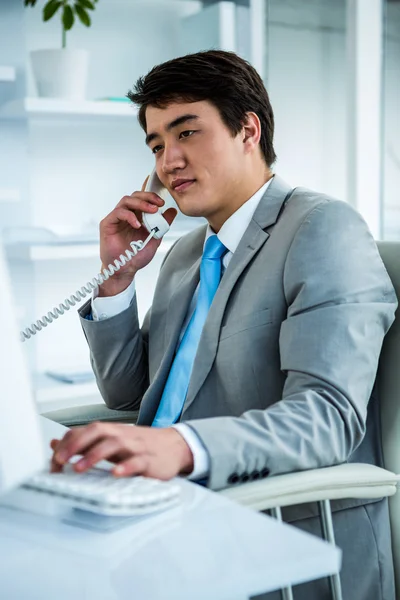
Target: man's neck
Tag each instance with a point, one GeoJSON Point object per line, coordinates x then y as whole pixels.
{"type": "Point", "coordinates": [217, 220]}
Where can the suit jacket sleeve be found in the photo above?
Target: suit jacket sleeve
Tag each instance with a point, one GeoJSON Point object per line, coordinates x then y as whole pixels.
{"type": "Point", "coordinates": [340, 304]}
{"type": "Point", "coordinates": [119, 356]}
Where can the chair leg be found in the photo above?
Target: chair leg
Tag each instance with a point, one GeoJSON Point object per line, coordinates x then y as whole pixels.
{"type": "Point", "coordinates": [287, 593]}
{"type": "Point", "coordinates": [328, 535]}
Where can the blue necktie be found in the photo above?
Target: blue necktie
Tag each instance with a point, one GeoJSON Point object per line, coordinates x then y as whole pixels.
{"type": "Point", "coordinates": [177, 384]}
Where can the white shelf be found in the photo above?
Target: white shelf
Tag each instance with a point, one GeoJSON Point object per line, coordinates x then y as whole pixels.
{"type": "Point", "coordinates": [52, 252]}
{"type": "Point", "coordinates": [50, 108]}
{"type": "Point", "coordinates": [67, 250]}
{"type": "Point", "coordinates": [7, 73]}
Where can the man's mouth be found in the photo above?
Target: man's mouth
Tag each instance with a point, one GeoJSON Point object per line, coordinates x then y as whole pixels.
{"type": "Point", "coordinates": [183, 185]}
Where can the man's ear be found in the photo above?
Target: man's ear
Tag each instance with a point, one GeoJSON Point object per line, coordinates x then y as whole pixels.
{"type": "Point", "coordinates": [251, 132]}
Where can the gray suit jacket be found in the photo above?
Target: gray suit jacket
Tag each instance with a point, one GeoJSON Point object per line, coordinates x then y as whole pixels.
{"type": "Point", "coordinates": [285, 367]}
{"type": "Point", "coordinates": [288, 355]}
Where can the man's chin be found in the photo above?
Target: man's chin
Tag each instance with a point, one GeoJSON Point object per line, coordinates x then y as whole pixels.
{"type": "Point", "coordinates": [193, 213]}
{"type": "Point", "coordinates": [189, 210]}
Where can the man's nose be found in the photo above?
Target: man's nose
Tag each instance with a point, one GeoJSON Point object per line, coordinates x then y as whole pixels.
{"type": "Point", "coordinates": [172, 159]}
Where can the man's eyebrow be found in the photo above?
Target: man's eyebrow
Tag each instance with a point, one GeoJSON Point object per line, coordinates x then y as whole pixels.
{"type": "Point", "coordinates": [183, 119]}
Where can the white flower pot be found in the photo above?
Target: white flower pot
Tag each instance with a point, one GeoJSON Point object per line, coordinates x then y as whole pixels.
{"type": "Point", "coordinates": [60, 73]}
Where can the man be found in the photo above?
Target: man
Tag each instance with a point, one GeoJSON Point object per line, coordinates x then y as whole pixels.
{"type": "Point", "coordinates": [266, 326]}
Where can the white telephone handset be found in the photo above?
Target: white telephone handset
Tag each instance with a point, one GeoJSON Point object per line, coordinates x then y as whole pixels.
{"type": "Point", "coordinates": [155, 221]}
{"type": "Point", "coordinates": [157, 227]}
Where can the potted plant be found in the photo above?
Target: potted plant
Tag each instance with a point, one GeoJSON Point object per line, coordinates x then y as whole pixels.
{"type": "Point", "coordinates": [62, 73]}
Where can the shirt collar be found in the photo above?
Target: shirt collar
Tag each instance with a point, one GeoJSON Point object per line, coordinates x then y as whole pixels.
{"type": "Point", "coordinates": [233, 229]}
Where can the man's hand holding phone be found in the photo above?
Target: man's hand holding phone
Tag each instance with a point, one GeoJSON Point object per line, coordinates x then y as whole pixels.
{"type": "Point", "coordinates": [121, 227]}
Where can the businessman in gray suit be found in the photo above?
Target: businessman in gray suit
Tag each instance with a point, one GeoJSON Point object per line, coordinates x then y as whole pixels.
{"type": "Point", "coordinates": [260, 351]}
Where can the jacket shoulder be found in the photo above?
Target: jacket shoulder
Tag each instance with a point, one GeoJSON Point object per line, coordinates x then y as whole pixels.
{"type": "Point", "coordinates": [305, 206]}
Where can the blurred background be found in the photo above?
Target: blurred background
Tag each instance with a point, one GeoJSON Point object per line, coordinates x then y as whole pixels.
{"type": "Point", "coordinates": [71, 147]}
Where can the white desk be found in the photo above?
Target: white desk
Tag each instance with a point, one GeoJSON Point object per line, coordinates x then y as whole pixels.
{"type": "Point", "coordinates": [209, 549]}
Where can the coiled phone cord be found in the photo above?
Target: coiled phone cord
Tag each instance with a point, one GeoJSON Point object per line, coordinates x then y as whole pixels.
{"type": "Point", "coordinates": [86, 289]}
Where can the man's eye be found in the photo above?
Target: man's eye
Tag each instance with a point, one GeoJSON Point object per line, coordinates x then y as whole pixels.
{"type": "Point", "coordinates": [187, 133]}
{"type": "Point", "coordinates": [156, 149]}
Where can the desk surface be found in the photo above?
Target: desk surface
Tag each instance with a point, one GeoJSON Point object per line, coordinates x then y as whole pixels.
{"type": "Point", "coordinates": [208, 548]}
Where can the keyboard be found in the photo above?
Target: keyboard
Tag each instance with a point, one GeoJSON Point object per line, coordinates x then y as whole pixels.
{"type": "Point", "coordinates": [100, 492]}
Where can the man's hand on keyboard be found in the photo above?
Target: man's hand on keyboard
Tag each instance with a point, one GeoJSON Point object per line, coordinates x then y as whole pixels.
{"type": "Point", "coordinates": [147, 451]}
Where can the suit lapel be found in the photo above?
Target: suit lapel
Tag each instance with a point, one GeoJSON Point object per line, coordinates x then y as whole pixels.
{"type": "Point", "coordinates": [252, 241]}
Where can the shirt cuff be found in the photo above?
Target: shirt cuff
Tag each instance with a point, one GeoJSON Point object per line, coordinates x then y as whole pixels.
{"type": "Point", "coordinates": [201, 458]}
{"type": "Point", "coordinates": [109, 306]}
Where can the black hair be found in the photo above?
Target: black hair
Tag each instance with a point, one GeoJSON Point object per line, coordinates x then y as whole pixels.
{"type": "Point", "coordinates": [223, 78]}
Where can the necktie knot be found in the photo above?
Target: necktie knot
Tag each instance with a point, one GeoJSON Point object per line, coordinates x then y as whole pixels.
{"type": "Point", "coordinates": [214, 248]}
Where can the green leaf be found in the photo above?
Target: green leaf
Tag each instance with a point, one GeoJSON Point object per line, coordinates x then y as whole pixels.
{"type": "Point", "coordinates": [50, 9]}
{"type": "Point", "coordinates": [68, 18]}
{"type": "Point", "coordinates": [83, 15]}
{"type": "Point", "coordinates": [30, 2]}
{"type": "Point", "coordinates": [86, 4]}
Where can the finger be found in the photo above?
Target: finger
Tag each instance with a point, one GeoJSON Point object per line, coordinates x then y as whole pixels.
{"type": "Point", "coordinates": [57, 445]}
{"type": "Point", "coordinates": [151, 197]}
{"type": "Point", "coordinates": [123, 215]}
{"type": "Point", "coordinates": [136, 465]}
{"type": "Point", "coordinates": [54, 443]}
{"type": "Point", "coordinates": [119, 457]}
{"type": "Point", "coordinates": [55, 467]}
{"type": "Point", "coordinates": [102, 450]}
{"type": "Point", "coordinates": [146, 204]}
{"type": "Point", "coordinates": [145, 183]}
{"type": "Point", "coordinates": [79, 439]}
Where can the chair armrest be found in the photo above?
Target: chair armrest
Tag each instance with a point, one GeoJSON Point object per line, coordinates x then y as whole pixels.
{"type": "Point", "coordinates": [355, 480]}
{"type": "Point", "coordinates": [82, 415]}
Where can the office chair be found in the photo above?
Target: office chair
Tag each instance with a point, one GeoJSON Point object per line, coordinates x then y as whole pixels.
{"type": "Point", "coordinates": [326, 484]}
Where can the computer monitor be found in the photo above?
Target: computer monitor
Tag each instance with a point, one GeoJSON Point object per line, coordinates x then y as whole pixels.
{"type": "Point", "coordinates": [21, 446]}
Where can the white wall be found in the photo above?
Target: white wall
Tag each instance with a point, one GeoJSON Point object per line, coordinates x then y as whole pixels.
{"type": "Point", "coordinates": [391, 121]}
{"type": "Point", "coordinates": [306, 82]}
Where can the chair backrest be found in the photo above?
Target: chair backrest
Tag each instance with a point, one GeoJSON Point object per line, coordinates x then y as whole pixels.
{"type": "Point", "coordinates": [389, 391]}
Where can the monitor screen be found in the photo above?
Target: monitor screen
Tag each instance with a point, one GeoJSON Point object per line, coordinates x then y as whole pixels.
{"type": "Point", "coordinates": [21, 446]}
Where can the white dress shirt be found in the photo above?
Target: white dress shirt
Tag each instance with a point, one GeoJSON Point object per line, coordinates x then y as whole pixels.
{"type": "Point", "coordinates": [230, 235]}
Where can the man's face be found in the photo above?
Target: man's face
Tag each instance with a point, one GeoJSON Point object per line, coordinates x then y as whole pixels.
{"type": "Point", "coordinates": [197, 158]}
